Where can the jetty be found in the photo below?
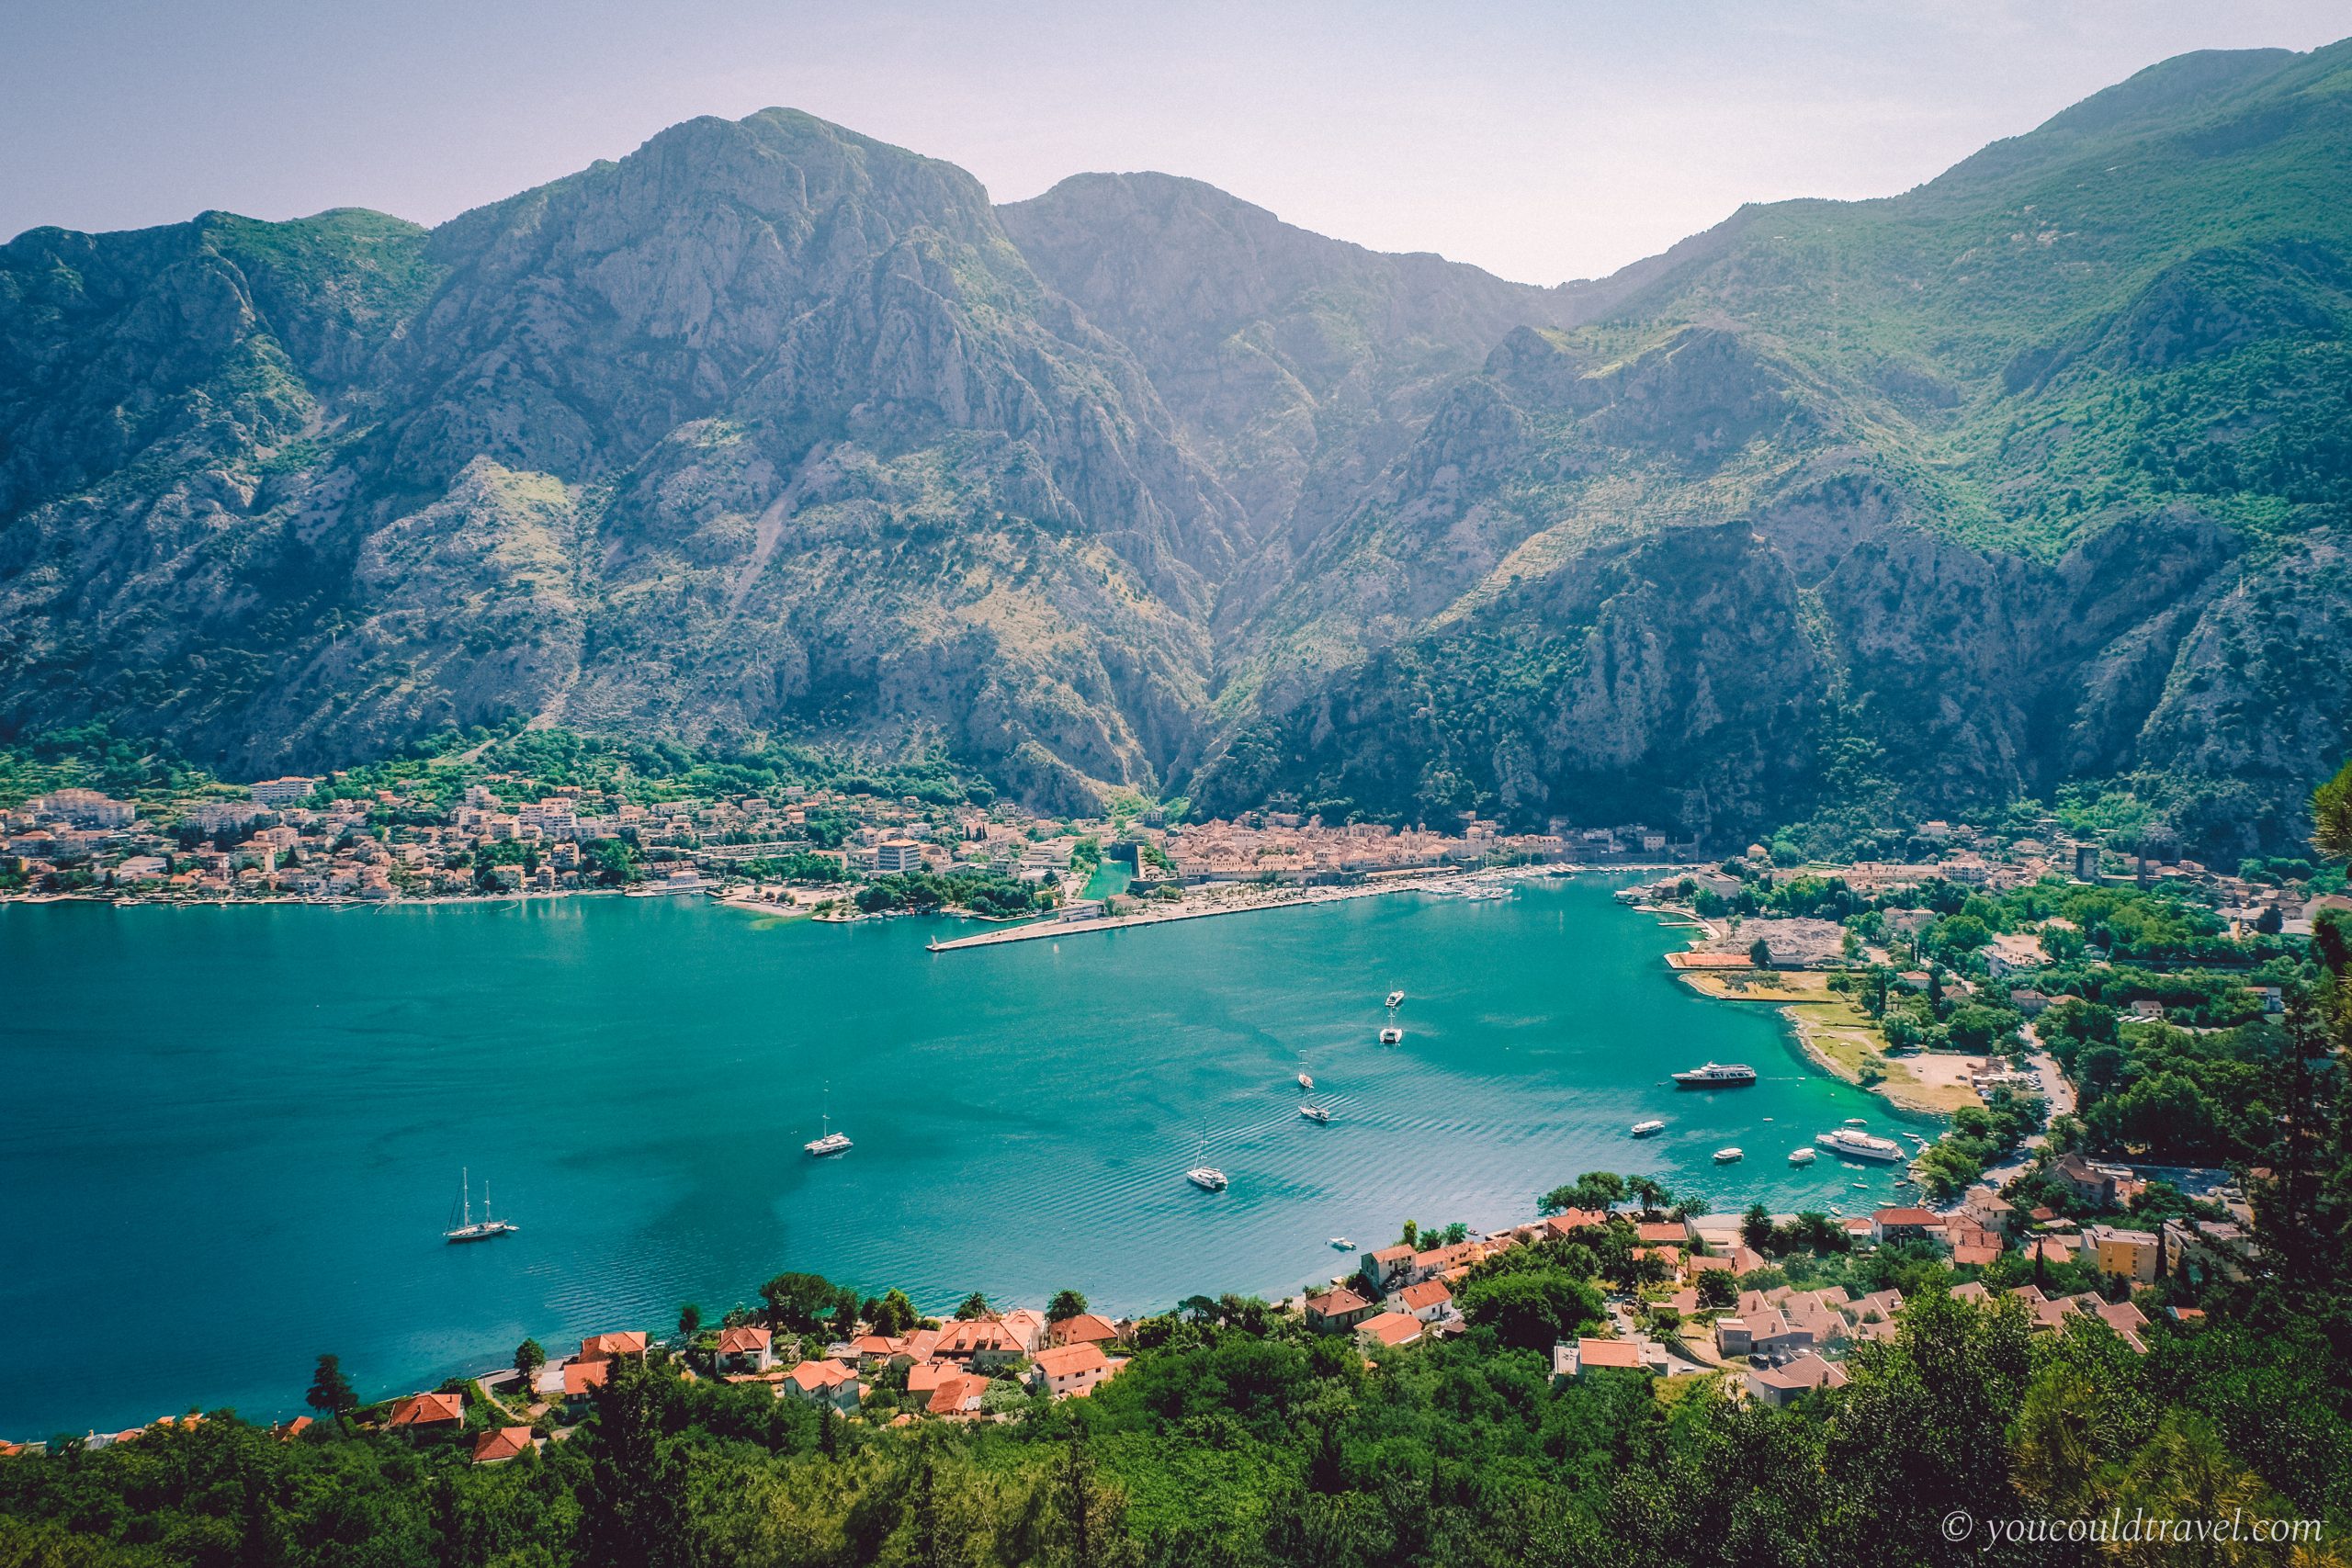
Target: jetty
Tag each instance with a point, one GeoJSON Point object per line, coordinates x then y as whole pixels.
{"type": "Point", "coordinates": [1285, 898]}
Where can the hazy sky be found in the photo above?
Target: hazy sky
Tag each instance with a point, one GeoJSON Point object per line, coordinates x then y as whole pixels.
{"type": "Point", "coordinates": [1543, 140]}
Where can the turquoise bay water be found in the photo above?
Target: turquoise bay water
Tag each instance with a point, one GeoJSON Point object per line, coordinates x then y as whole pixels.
{"type": "Point", "coordinates": [228, 1137]}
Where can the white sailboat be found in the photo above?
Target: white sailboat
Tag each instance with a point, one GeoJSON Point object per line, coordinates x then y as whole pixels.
{"type": "Point", "coordinates": [468, 1228]}
{"type": "Point", "coordinates": [828, 1142]}
{"type": "Point", "coordinates": [1204, 1175]}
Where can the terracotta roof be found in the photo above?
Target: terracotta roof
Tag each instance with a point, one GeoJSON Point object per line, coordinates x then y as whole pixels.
{"type": "Point", "coordinates": [1609, 1353]}
{"type": "Point", "coordinates": [1922, 1217]}
{"type": "Point", "coordinates": [1427, 1294]}
{"type": "Point", "coordinates": [1661, 1231]}
{"type": "Point", "coordinates": [956, 1393]}
{"type": "Point", "coordinates": [983, 1334]}
{"type": "Point", "coordinates": [427, 1410]}
{"type": "Point", "coordinates": [1071, 1361]}
{"type": "Point", "coordinates": [742, 1341]}
{"type": "Point", "coordinates": [1085, 1326]}
{"type": "Point", "coordinates": [507, 1442]}
{"type": "Point", "coordinates": [1391, 1328]}
{"type": "Point", "coordinates": [1335, 1302]}
{"type": "Point", "coordinates": [814, 1377]}
{"type": "Point", "coordinates": [292, 1429]}
{"type": "Point", "coordinates": [597, 1347]}
{"type": "Point", "coordinates": [579, 1377]}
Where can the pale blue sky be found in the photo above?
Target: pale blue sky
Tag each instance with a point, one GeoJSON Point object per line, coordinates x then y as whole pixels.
{"type": "Point", "coordinates": [1543, 140]}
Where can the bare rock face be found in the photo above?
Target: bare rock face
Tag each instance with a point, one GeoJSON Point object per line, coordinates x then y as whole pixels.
{"type": "Point", "coordinates": [2035, 475]}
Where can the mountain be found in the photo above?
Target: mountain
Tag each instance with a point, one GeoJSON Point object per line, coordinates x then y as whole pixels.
{"type": "Point", "coordinates": [2035, 477]}
{"type": "Point", "coordinates": [2036, 474]}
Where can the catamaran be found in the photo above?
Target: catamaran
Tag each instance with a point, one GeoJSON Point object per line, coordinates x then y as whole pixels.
{"type": "Point", "coordinates": [1205, 1176]}
{"type": "Point", "coordinates": [1391, 1035]}
{"type": "Point", "coordinates": [828, 1142]}
{"type": "Point", "coordinates": [468, 1228]}
{"type": "Point", "coordinates": [1716, 1075]}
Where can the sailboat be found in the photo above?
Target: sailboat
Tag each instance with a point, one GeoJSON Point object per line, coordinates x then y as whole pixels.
{"type": "Point", "coordinates": [1205, 1176]}
{"type": "Point", "coordinates": [828, 1142]}
{"type": "Point", "coordinates": [468, 1228]}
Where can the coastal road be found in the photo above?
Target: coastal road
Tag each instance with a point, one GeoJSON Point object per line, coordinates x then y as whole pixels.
{"type": "Point", "coordinates": [2057, 1093]}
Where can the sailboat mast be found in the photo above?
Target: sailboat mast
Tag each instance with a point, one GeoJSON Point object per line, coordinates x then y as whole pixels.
{"type": "Point", "coordinates": [466, 1194]}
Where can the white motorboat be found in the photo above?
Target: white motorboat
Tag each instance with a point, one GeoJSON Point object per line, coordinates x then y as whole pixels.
{"type": "Point", "coordinates": [1730, 1156]}
{"type": "Point", "coordinates": [1648, 1129]}
{"type": "Point", "coordinates": [1854, 1144]}
{"type": "Point", "coordinates": [1716, 1075]}
{"type": "Point", "coordinates": [1342, 1244]}
{"type": "Point", "coordinates": [1316, 1113]}
{"type": "Point", "coordinates": [1801, 1156]}
{"type": "Point", "coordinates": [1395, 999]}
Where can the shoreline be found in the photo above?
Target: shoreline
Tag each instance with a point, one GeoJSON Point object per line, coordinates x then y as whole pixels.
{"type": "Point", "coordinates": [1804, 1017]}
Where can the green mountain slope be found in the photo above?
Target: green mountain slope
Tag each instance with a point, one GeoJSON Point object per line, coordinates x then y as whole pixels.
{"type": "Point", "coordinates": [2037, 475]}
{"type": "Point", "coordinates": [2018, 449]}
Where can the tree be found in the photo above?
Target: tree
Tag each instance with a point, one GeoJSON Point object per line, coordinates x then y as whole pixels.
{"type": "Point", "coordinates": [1602, 1189]}
{"type": "Point", "coordinates": [891, 1314]}
{"type": "Point", "coordinates": [974, 1308]}
{"type": "Point", "coordinates": [1756, 1227]}
{"type": "Point", "coordinates": [1531, 1309]}
{"type": "Point", "coordinates": [330, 1390]}
{"type": "Point", "coordinates": [1718, 1288]}
{"type": "Point", "coordinates": [636, 1480]}
{"type": "Point", "coordinates": [529, 1359]}
{"type": "Point", "coordinates": [689, 1320]}
{"type": "Point", "coordinates": [1064, 1305]}
{"type": "Point", "coordinates": [2331, 816]}
{"type": "Point", "coordinates": [1648, 1192]}
{"type": "Point", "coordinates": [799, 1302]}
{"type": "Point", "coordinates": [1411, 1236]}
{"type": "Point", "coordinates": [1759, 953]}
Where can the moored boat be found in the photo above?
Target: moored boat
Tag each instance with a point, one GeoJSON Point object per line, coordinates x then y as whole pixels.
{"type": "Point", "coordinates": [468, 1228]}
{"type": "Point", "coordinates": [1716, 1075]}
{"type": "Point", "coordinates": [1730, 1156]}
{"type": "Point", "coordinates": [1801, 1156]}
{"type": "Point", "coordinates": [1391, 1035]}
{"type": "Point", "coordinates": [827, 1141]}
{"type": "Point", "coordinates": [1855, 1144]}
{"type": "Point", "coordinates": [1316, 1113]}
{"type": "Point", "coordinates": [1649, 1128]}
{"type": "Point", "coordinates": [1395, 999]}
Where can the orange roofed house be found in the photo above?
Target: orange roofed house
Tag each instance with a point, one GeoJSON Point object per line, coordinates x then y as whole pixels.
{"type": "Point", "coordinates": [982, 1343]}
{"type": "Point", "coordinates": [505, 1443]}
{"type": "Point", "coordinates": [824, 1382]}
{"type": "Point", "coordinates": [606, 1346]}
{"type": "Point", "coordinates": [428, 1410]}
{"type": "Point", "coordinates": [1086, 1326]}
{"type": "Point", "coordinates": [745, 1349]}
{"type": "Point", "coordinates": [1074, 1370]}
{"type": "Point", "coordinates": [1390, 1328]}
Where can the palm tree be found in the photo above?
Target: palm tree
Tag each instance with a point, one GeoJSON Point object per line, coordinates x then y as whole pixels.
{"type": "Point", "coordinates": [1646, 1192]}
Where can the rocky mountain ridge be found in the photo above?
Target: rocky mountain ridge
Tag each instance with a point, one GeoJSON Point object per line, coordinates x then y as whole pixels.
{"type": "Point", "coordinates": [2035, 475]}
